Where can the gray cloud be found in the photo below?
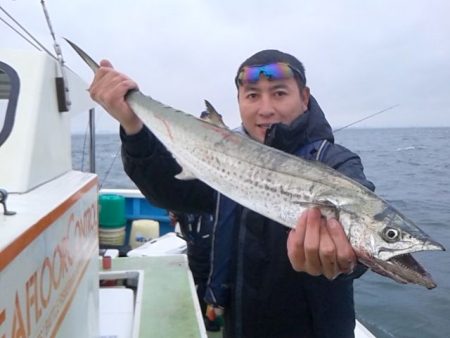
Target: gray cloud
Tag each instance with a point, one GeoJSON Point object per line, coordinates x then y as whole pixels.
{"type": "Point", "coordinates": [360, 56]}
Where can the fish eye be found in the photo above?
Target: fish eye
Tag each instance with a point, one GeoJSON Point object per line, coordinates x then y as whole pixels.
{"type": "Point", "coordinates": [390, 234]}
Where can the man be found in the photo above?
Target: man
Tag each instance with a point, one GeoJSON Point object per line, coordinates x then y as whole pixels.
{"type": "Point", "coordinates": [271, 282]}
{"type": "Point", "coordinates": [197, 230]}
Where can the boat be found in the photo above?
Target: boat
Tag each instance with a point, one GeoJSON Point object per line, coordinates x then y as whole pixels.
{"type": "Point", "coordinates": [53, 274]}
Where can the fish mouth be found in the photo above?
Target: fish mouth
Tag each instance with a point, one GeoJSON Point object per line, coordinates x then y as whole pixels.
{"type": "Point", "coordinates": [402, 268]}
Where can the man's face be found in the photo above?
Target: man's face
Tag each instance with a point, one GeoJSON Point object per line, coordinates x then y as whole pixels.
{"type": "Point", "coordinates": [267, 102]}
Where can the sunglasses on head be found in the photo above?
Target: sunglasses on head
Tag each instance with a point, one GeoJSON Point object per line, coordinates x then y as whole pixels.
{"type": "Point", "coordinates": [272, 71]}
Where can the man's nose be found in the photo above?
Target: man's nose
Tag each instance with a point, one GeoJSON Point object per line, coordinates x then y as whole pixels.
{"type": "Point", "coordinates": [266, 106]}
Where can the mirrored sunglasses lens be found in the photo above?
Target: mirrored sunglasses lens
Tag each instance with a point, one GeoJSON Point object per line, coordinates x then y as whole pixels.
{"type": "Point", "coordinates": [252, 74]}
{"type": "Point", "coordinates": [275, 71]}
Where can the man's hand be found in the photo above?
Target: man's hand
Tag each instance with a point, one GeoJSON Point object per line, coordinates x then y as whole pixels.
{"type": "Point", "coordinates": [109, 89]}
{"type": "Point", "coordinates": [173, 218]}
{"type": "Point", "coordinates": [215, 315]}
{"type": "Point", "coordinates": [320, 247]}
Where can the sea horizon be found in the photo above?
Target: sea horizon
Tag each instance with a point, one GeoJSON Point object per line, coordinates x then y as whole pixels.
{"type": "Point", "coordinates": [337, 129]}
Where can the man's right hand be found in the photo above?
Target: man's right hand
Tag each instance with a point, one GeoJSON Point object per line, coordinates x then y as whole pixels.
{"type": "Point", "coordinates": [215, 314]}
{"type": "Point", "coordinates": [109, 89]}
{"type": "Point", "coordinates": [319, 246]}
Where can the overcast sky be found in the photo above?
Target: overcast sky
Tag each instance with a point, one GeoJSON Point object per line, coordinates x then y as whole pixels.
{"type": "Point", "coordinates": [360, 56]}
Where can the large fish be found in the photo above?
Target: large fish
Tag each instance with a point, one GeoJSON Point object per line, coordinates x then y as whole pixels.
{"type": "Point", "coordinates": [281, 186]}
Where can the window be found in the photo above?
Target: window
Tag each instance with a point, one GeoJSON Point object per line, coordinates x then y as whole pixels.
{"type": "Point", "coordinates": [9, 93]}
{"type": "Point", "coordinates": [5, 89]}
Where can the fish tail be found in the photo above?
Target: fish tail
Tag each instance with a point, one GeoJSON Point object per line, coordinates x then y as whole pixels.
{"type": "Point", "coordinates": [90, 62]}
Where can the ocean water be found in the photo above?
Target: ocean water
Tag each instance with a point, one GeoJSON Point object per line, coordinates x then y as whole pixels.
{"type": "Point", "coordinates": [411, 169]}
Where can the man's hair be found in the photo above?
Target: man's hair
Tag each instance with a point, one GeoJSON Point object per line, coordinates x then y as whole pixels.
{"type": "Point", "coordinates": [269, 56]}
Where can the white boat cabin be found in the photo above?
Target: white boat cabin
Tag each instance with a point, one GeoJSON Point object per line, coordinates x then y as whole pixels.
{"type": "Point", "coordinates": [50, 274]}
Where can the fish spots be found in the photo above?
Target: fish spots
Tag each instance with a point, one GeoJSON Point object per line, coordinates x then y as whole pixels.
{"type": "Point", "coordinates": [270, 188]}
{"type": "Point", "coordinates": [286, 193]}
{"type": "Point", "coordinates": [226, 173]}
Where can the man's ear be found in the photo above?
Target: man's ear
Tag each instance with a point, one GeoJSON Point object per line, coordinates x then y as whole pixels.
{"type": "Point", "coordinates": [304, 94]}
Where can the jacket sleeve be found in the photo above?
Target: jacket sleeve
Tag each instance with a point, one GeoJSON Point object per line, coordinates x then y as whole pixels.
{"type": "Point", "coordinates": [152, 168]}
{"type": "Point", "coordinates": [347, 163]}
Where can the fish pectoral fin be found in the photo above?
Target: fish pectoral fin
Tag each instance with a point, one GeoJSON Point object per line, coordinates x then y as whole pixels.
{"type": "Point", "coordinates": [185, 175]}
{"type": "Point", "coordinates": [212, 116]}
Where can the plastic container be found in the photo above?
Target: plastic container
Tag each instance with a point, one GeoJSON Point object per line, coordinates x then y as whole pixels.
{"type": "Point", "coordinates": [140, 208]}
{"type": "Point", "coordinates": [142, 231]}
{"type": "Point", "coordinates": [112, 211]}
{"type": "Point", "coordinates": [111, 236]}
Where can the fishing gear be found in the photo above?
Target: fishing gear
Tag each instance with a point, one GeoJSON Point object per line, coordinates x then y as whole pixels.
{"type": "Point", "coordinates": [62, 88]}
{"type": "Point", "coordinates": [35, 43]}
{"type": "Point", "coordinates": [367, 117]}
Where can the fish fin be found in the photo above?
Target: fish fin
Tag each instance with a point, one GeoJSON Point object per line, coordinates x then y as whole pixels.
{"type": "Point", "coordinates": [86, 58]}
{"type": "Point", "coordinates": [212, 116]}
{"type": "Point", "coordinates": [185, 175]}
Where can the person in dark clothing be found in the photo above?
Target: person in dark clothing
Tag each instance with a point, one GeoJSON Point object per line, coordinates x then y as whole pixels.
{"type": "Point", "coordinates": [197, 230]}
{"type": "Point", "coordinates": [269, 281]}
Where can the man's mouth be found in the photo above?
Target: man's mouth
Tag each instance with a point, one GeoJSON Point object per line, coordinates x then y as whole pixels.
{"type": "Point", "coordinates": [264, 125]}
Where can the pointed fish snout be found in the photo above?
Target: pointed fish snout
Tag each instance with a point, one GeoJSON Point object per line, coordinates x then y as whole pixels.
{"type": "Point", "coordinates": [433, 245]}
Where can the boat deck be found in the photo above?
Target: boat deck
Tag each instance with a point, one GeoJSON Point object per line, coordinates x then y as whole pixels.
{"type": "Point", "coordinates": [169, 305]}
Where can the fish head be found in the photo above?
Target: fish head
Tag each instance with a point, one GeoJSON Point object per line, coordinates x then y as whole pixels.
{"type": "Point", "coordinates": [387, 244]}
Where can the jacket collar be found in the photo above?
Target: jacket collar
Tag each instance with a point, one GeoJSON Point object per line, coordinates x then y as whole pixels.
{"type": "Point", "coordinates": [307, 128]}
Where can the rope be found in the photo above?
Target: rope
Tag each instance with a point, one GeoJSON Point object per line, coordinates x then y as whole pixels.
{"type": "Point", "coordinates": [84, 147]}
{"type": "Point", "coordinates": [109, 169]}
{"type": "Point", "coordinates": [36, 42]}
{"type": "Point", "coordinates": [56, 46]}
{"type": "Point", "coordinates": [20, 34]}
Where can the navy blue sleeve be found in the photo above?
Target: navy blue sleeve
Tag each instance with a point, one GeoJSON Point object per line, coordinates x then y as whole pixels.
{"type": "Point", "coordinates": [347, 163]}
{"type": "Point", "coordinates": [153, 169]}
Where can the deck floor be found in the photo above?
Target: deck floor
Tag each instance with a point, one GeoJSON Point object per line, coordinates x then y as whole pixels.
{"type": "Point", "coordinates": [214, 334]}
{"type": "Point", "coordinates": [168, 308]}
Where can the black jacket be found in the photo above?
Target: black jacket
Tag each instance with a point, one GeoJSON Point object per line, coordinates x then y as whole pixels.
{"type": "Point", "coordinates": [197, 230]}
{"type": "Point", "coordinates": [267, 298]}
